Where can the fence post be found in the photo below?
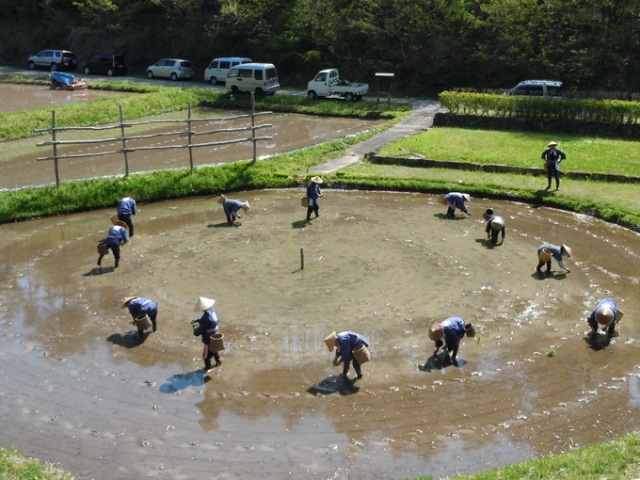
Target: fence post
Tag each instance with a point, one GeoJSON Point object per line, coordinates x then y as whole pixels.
{"type": "Point", "coordinates": [253, 124]}
{"type": "Point", "coordinates": [189, 137]}
{"type": "Point", "coordinates": [124, 142]}
{"type": "Point", "coordinates": [55, 146]}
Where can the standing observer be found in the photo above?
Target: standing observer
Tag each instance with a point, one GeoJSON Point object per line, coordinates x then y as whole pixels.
{"type": "Point", "coordinates": [552, 157]}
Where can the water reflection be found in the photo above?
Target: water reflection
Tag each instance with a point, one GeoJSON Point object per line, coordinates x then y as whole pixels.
{"type": "Point", "coordinates": [277, 395]}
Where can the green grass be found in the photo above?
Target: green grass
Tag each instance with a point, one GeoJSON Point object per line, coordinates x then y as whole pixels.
{"type": "Point", "coordinates": [14, 466]}
{"type": "Point", "coordinates": [522, 149]}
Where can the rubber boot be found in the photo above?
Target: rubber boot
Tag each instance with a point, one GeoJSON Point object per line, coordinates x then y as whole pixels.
{"type": "Point", "coordinates": [117, 262]}
{"type": "Point", "coordinates": [207, 364]}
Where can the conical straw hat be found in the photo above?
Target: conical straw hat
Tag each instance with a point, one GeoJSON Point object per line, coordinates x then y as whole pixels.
{"type": "Point", "coordinates": [604, 316]}
{"type": "Point", "coordinates": [330, 341]}
{"type": "Point", "coordinates": [126, 301]}
{"type": "Point", "coordinates": [203, 303]}
{"type": "Point", "coordinates": [435, 332]}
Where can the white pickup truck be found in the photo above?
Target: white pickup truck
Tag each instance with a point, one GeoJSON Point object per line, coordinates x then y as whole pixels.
{"type": "Point", "coordinates": [327, 83]}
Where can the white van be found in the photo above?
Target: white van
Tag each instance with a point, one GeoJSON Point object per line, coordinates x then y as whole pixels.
{"type": "Point", "coordinates": [218, 69]}
{"type": "Point", "coordinates": [260, 78]}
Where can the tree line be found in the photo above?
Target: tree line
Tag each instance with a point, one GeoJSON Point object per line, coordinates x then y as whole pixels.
{"type": "Point", "coordinates": [430, 45]}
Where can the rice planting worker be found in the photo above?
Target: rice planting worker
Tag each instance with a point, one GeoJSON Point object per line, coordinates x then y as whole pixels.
{"type": "Point", "coordinates": [118, 235]}
{"type": "Point", "coordinates": [456, 200]}
{"type": "Point", "coordinates": [552, 157]}
{"type": "Point", "coordinates": [345, 343]}
{"type": "Point", "coordinates": [606, 316]}
{"type": "Point", "coordinates": [127, 207]}
{"type": "Point", "coordinates": [453, 329]}
{"type": "Point", "coordinates": [232, 209]}
{"type": "Point", "coordinates": [205, 326]}
{"type": "Point", "coordinates": [548, 251]}
{"type": "Point", "coordinates": [495, 226]}
{"type": "Point", "coordinates": [313, 193]}
{"type": "Point", "coordinates": [138, 308]}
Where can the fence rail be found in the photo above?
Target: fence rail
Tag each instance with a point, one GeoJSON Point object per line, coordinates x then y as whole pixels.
{"type": "Point", "coordinates": [125, 149]}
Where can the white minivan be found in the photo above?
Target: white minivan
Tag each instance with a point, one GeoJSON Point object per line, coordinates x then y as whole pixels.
{"type": "Point", "coordinates": [260, 78]}
{"type": "Point", "coordinates": [218, 69]}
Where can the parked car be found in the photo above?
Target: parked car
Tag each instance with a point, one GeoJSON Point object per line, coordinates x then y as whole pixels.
{"type": "Point", "coordinates": [173, 68]}
{"type": "Point", "coordinates": [218, 69]}
{"type": "Point", "coordinates": [105, 64]}
{"type": "Point", "coordinates": [260, 78]}
{"type": "Point", "coordinates": [53, 60]}
{"type": "Point", "coordinates": [537, 88]}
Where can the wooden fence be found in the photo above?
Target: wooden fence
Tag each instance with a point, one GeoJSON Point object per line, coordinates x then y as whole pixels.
{"type": "Point", "coordinates": [188, 132]}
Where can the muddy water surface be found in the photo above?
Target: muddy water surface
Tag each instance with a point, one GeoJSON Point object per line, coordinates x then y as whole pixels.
{"type": "Point", "coordinates": [14, 98]}
{"type": "Point", "coordinates": [286, 132]}
{"type": "Point", "coordinates": [76, 388]}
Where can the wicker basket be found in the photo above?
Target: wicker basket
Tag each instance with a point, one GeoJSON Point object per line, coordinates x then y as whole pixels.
{"type": "Point", "coordinates": [143, 322]}
{"type": "Point", "coordinates": [216, 342]}
{"type": "Point", "coordinates": [361, 354]}
{"type": "Point", "coordinates": [545, 255]}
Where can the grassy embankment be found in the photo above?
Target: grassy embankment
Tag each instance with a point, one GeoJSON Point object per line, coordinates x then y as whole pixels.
{"type": "Point", "coordinates": [618, 202]}
{"type": "Point", "coordinates": [615, 202]}
{"type": "Point", "coordinates": [14, 466]}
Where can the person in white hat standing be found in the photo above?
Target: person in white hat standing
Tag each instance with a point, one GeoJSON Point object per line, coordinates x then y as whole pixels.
{"type": "Point", "coordinates": [552, 157]}
{"type": "Point", "coordinates": [345, 343]}
{"type": "Point", "coordinates": [495, 226]}
{"type": "Point", "coordinates": [552, 251]}
{"type": "Point", "coordinates": [138, 307]}
{"type": "Point", "coordinates": [205, 326]}
{"type": "Point", "coordinates": [232, 208]}
{"type": "Point", "coordinates": [606, 316]}
{"type": "Point", "coordinates": [456, 200]}
{"type": "Point", "coordinates": [313, 193]}
{"type": "Point", "coordinates": [453, 329]}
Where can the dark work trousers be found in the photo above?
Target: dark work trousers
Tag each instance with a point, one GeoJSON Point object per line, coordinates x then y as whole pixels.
{"type": "Point", "coordinates": [114, 246]}
{"type": "Point", "coordinates": [127, 219]}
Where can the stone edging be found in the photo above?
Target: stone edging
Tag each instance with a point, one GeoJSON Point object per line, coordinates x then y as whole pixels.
{"type": "Point", "coordinates": [493, 168]}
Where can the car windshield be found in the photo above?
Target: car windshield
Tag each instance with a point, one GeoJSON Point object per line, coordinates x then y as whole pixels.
{"type": "Point", "coordinates": [185, 64]}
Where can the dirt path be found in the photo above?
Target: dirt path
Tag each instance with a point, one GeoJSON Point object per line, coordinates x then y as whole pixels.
{"type": "Point", "coordinates": [77, 389]}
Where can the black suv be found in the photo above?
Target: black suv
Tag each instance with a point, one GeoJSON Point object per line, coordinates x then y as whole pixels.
{"type": "Point", "coordinates": [105, 64]}
{"type": "Point", "coordinates": [53, 60]}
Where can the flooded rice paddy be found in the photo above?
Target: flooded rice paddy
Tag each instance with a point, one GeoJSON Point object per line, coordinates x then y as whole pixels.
{"type": "Point", "coordinates": [76, 387]}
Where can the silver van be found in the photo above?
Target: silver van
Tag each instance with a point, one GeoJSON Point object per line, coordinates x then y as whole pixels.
{"type": "Point", "coordinates": [260, 78]}
{"type": "Point", "coordinates": [537, 88]}
{"type": "Point", "coordinates": [218, 69]}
